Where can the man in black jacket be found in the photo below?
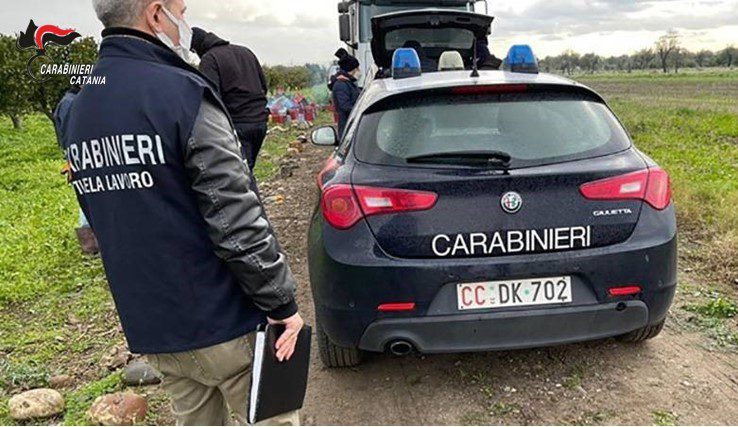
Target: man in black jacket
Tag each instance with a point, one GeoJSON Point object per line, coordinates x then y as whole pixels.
{"type": "Point", "coordinates": [237, 74]}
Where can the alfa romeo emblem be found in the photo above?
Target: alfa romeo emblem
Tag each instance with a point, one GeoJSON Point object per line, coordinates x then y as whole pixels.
{"type": "Point", "coordinates": [511, 202]}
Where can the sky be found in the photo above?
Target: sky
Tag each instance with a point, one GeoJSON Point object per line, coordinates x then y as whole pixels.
{"type": "Point", "coordinates": [294, 32]}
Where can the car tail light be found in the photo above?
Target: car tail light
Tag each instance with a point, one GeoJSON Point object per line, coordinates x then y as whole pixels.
{"type": "Point", "coordinates": [397, 306]}
{"type": "Point", "coordinates": [658, 191]}
{"type": "Point", "coordinates": [650, 185]}
{"type": "Point", "coordinates": [476, 90]}
{"type": "Point", "coordinates": [376, 201]}
{"type": "Point", "coordinates": [343, 206]}
{"type": "Point", "coordinates": [623, 291]}
{"type": "Point", "coordinates": [329, 169]}
{"type": "Point", "coordinates": [340, 207]}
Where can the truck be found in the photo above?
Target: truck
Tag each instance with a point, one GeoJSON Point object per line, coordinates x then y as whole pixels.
{"type": "Point", "coordinates": [355, 23]}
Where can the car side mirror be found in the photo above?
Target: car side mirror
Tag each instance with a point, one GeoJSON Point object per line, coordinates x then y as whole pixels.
{"type": "Point", "coordinates": [325, 136]}
{"type": "Point", "coordinates": [344, 27]}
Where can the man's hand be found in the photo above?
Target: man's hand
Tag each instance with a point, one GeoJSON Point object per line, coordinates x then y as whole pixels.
{"type": "Point", "coordinates": [67, 171]}
{"type": "Point", "coordinates": [286, 342]}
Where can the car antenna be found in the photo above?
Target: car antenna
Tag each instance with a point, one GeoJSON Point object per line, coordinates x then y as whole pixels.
{"type": "Point", "coordinates": [475, 67]}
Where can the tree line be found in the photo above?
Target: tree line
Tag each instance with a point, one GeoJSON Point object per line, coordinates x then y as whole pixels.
{"type": "Point", "coordinates": [667, 54]}
{"type": "Point", "coordinates": [295, 76]}
{"type": "Point", "coordinates": [21, 95]}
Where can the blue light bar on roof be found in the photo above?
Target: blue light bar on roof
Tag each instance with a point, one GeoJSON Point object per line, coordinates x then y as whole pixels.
{"type": "Point", "coordinates": [405, 63]}
{"type": "Point", "coordinates": [520, 59]}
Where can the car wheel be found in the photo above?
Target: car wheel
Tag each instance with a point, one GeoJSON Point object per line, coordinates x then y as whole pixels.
{"type": "Point", "coordinates": [643, 334]}
{"type": "Point", "coordinates": [334, 356]}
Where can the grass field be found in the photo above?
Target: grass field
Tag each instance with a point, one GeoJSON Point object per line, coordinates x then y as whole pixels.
{"type": "Point", "coordinates": [689, 124]}
{"type": "Point", "coordinates": [56, 315]}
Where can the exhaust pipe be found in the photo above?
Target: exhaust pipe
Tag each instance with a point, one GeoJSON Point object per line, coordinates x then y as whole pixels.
{"type": "Point", "coordinates": [400, 348]}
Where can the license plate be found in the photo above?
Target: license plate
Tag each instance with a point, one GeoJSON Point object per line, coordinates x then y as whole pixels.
{"type": "Point", "coordinates": [514, 293]}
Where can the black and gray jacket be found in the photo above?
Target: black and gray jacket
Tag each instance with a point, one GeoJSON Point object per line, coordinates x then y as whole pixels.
{"type": "Point", "coordinates": [188, 252]}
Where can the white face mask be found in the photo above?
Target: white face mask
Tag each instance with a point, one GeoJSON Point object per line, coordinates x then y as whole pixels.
{"type": "Point", "coordinates": [185, 40]}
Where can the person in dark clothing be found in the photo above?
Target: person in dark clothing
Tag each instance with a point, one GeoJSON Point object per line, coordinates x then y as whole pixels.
{"type": "Point", "coordinates": [61, 112]}
{"type": "Point", "coordinates": [485, 59]}
{"type": "Point", "coordinates": [238, 76]}
{"type": "Point", "coordinates": [86, 237]}
{"type": "Point", "coordinates": [344, 88]}
{"type": "Point", "coordinates": [191, 261]}
{"type": "Point", "coordinates": [427, 65]}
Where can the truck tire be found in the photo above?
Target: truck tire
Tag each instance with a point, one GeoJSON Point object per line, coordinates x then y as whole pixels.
{"type": "Point", "coordinates": [643, 334]}
{"type": "Point", "coordinates": [334, 356]}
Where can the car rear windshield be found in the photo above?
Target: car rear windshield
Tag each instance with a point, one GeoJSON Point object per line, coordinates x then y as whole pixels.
{"type": "Point", "coordinates": [534, 128]}
{"type": "Point", "coordinates": [447, 38]}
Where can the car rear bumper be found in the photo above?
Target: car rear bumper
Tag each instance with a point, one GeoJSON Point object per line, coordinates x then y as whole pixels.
{"type": "Point", "coordinates": [507, 330]}
{"type": "Point", "coordinates": [351, 276]}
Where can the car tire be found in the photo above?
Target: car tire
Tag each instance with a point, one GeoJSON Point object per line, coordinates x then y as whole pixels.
{"type": "Point", "coordinates": [334, 356]}
{"type": "Point", "coordinates": [643, 334]}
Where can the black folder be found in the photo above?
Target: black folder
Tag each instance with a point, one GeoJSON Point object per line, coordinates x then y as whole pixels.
{"type": "Point", "coordinates": [278, 387]}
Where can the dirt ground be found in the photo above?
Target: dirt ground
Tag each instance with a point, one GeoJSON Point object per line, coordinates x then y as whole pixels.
{"type": "Point", "coordinates": [675, 378]}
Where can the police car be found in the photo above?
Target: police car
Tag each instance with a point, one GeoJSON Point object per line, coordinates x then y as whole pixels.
{"type": "Point", "coordinates": [472, 211]}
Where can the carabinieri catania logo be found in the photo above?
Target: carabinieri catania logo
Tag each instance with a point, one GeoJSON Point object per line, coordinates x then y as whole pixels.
{"type": "Point", "coordinates": [42, 65]}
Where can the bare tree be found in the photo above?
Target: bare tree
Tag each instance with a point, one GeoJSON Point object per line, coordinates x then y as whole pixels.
{"type": "Point", "coordinates": [667, 45]}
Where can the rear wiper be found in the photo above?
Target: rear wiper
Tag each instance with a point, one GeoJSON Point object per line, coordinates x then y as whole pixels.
{"type": "Point", "coordinates": [488, 158]}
